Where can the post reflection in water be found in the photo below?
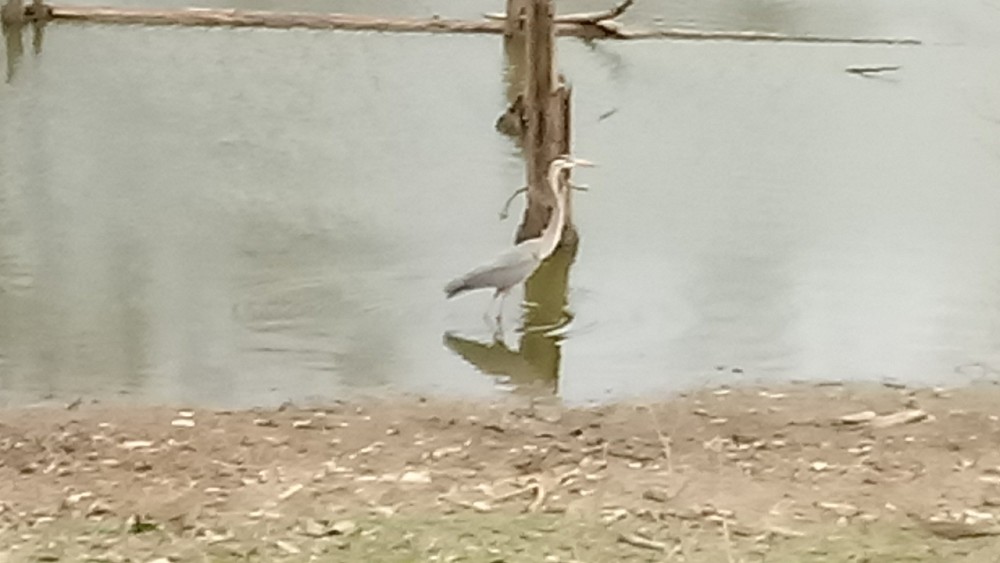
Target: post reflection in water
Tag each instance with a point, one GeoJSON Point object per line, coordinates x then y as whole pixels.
{"type": "Point", "coordinates": [14, 40]}
{"type": "Point", "coordinates": [534, 364]}
{"type": "Point", "coordinates": [37, 35]}
{"type": "Point", "coordinates": [14, 47]}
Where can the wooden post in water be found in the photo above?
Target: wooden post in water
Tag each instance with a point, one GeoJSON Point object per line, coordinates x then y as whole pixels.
{"type": "Point", "coordinates": [547, 110]}
{"type": "Point", "coordinates": [560, 136]}
{"type": "Point", "coordinates": [540, 53]}
{"type": "Point", "coordinates": [11, 24]}
{"type": "Point", "coordinates": [517, 11]}
{"type": "Point", "coordinates": [547, 115]}
{"type": "Point", "coordinates": [511, 122]}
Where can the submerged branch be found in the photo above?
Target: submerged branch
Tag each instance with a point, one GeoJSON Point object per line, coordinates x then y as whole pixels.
{"type": "Point", "coordinates": [505, 212]}
{"type": "Point", "coordinates": [602, 29]}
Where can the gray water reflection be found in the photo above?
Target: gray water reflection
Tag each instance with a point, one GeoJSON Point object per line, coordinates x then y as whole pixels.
{"type": "Point", "coordinates": [244, 217]}
{"type": "Point", "coordinates": [532, 365]}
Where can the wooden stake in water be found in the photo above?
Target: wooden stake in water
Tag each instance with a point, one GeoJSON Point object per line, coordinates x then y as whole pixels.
{"type": "Point", "coordinates": [547, 116]}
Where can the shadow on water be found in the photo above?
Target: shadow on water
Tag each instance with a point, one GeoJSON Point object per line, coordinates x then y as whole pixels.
{"type": "Point", "coordinates": [534, 364]}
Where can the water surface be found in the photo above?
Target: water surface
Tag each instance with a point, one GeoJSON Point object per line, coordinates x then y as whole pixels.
{"type": "Point", "coordinates": [242, 217]}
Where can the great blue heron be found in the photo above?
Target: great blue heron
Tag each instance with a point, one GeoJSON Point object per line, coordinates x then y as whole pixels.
{"type": "Point", "coordinates": [518, 263]}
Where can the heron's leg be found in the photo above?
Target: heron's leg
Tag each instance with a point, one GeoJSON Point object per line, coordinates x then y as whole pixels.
{"type": "Point", "coordinates": [503, 297]}
{"type": "Point", "coordinates": [488, 316]}
{"type": "Point", "coordinates": [498, 327]}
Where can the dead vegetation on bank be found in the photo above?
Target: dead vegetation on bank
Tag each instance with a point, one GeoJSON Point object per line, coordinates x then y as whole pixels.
{"type": "Point", "coordinates": [721, 475]}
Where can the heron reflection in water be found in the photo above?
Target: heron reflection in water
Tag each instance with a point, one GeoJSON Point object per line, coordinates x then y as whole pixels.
{"type": "Point", "coordinates": [516, 265]}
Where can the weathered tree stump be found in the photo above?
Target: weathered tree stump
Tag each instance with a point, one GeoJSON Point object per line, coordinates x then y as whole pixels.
{"type": "Point", "coordinates": [513, 122]}
{"type": "Point", "coordinates": [516, 17]}
{"type": "Point", "coordinates": [547, 115]}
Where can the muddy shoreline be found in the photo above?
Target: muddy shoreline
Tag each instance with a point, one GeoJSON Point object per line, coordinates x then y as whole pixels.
{"type": "Point", "coordinates": [802, 472]}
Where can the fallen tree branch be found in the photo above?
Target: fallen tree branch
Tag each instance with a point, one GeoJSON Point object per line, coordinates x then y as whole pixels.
{"type": "Point", "coordinates": [615, 31]}
{"type": "Point", "coordinates": [210, 17]}
{"type": "Point", "coordinates": [594, 17]}
{"type": "Point", "coordinates": [582, 18]}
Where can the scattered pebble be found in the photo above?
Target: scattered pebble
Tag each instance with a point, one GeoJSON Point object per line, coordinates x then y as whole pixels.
{"type": "Point", "coordinates": [76, 498]}
{"type": "Point", "coordinates": [135, 444]}
{"type": "Point", "coordinates": [611, 515]}
{"type": "Point", "coordinates": [445, 451]}
{"type": "Point", "coordinates": [287, 547]}
{"type": "Point", "coordinates": [415, 477]}
{"type": "Point", "coordinates": [639, 541]}
{"type": "Point", "coordinates": [98, 508]}
{"type": "Point", "coordinates": [842, 509]}
{"type": "Point", "coordinates": [657, 494]}
{"type": "Point", "coordinates": [858, 417]}
{"type": "Point", "coordinates": [896, 419]}
{"type": "Point", "coordinates": [819, 466]}
{"type": "Point", "coordinates": [482, 506]}
{"type": "Point", "coordinates": [343, 527]}
{"type": "Point", "coordinates": [287, 493]}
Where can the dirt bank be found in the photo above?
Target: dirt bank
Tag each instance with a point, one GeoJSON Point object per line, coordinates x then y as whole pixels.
{"type": "Point", "coordinates": [802, 473]}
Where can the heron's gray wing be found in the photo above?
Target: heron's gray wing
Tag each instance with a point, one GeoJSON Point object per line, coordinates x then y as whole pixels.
{"type": "Point", "coordinates": [505, 271]}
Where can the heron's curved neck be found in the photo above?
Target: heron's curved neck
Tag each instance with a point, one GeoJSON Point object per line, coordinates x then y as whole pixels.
{"type": "Point", "coordinates": [557, 221]}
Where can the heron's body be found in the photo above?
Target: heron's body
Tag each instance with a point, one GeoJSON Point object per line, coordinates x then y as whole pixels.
{"type": "Point", "coordinates": [507, 270]}
{"type": "Point", "coordinates": [516, 265]}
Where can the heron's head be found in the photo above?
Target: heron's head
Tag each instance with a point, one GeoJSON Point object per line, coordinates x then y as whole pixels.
{"type": "Point", "coordinates": [566, 162]}
{"type": "Point", "coordinates": [558, 164]}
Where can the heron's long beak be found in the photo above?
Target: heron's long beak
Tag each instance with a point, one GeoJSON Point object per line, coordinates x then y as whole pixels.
{"type": "Point", "coordinates": [582, 162]}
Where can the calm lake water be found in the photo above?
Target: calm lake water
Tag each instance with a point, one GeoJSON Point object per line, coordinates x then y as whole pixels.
{"type": "Point", "coordinates": [243, 217]}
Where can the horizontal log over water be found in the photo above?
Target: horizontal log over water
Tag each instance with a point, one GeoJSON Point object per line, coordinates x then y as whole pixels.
{"type": "Point", "coordinates": [254, 18]}
{"type": "Point", "coordinates": [210, 17]}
